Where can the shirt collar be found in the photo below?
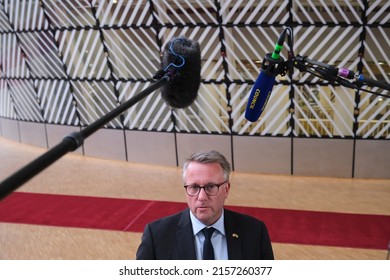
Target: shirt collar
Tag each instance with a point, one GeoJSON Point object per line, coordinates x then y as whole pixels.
{"type": "Point", "coordinates": [198, 225]}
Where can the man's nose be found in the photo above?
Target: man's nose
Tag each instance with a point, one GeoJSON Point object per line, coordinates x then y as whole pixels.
{"type": "Point", "coordinates": [202, 194]}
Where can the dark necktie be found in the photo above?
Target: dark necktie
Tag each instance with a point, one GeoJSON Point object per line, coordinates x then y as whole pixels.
{"type": "Point", "coordinates": [208, 250]}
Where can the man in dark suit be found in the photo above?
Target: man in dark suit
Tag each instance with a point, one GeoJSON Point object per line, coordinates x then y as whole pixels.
{"type": "Point", "coordinates": [205, 230]}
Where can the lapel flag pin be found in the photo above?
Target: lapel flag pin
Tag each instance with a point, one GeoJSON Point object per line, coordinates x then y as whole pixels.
{"type": "Point", "coordinates": [235, 235]}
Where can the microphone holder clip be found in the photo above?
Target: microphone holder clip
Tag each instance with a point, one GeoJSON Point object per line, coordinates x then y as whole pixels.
{"type": "Point", "coordinates": [274, 67]}
{"type": "Point", "coordinates": [169, 74]}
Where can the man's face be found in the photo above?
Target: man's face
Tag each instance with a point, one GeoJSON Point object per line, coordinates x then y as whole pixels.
{"type": "Point", "coordinates": [206, 208]}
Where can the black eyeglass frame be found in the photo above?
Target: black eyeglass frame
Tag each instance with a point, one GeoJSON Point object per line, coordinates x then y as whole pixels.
{"type": "Point", "coordinates": [204, 188]}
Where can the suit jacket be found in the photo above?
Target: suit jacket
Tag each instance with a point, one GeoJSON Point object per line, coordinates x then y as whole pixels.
{"type": "Point", "coordinates": [171, 238]}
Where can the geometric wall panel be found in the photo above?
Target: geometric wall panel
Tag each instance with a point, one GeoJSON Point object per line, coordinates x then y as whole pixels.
{"type": "Point", "coordinates": [71, 62]}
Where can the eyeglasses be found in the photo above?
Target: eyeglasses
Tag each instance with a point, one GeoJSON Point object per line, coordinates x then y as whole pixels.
{"type": "Point", "coordinates": [210, 189]}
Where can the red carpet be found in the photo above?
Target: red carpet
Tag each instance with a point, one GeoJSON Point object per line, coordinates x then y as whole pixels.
{"type": "Point", "coordinates": [285, 226]}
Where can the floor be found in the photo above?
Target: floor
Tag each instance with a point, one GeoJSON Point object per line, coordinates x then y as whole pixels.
{"type": "Point", "coordinates": [77, 175]}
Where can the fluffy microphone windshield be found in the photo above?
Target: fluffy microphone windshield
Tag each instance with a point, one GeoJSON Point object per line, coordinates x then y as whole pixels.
{"type": "Point", "coordinates": [182, 57]}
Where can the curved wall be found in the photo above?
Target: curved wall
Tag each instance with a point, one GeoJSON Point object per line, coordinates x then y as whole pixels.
{"type": "Point", "coordinates": [267, 155]}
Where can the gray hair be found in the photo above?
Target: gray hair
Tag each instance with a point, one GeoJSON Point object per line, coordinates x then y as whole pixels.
{"type": "Point", "coordinates": [208, 157]}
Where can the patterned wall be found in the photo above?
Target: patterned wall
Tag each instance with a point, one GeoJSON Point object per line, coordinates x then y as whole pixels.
{"type": "Point", "coordinates": [71, 62]}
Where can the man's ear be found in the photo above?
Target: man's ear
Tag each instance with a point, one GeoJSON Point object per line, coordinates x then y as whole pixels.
{"type": "Point", "coordinates": [227, 188]}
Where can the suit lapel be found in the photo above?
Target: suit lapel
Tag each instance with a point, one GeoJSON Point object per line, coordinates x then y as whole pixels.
{"type": "Point", "coordinates": [184, 238]}
{"type": "Point", "coordinates": [233, 237]}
